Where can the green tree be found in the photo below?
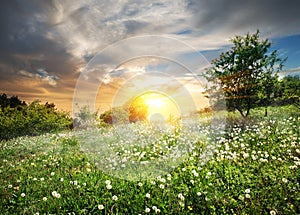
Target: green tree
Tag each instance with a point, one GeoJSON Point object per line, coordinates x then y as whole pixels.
{"type": "Point", "coordinates": [288, 91]}
{"type": "Point", "coordinates": [242, 74]}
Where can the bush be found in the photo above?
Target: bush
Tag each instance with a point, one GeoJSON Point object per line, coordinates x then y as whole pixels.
{"type": "Point", "coordinates": [33, 119]}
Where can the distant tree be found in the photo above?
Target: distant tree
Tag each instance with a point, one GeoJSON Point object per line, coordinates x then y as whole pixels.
{"type": "Point", "coordinates": [12, 102]}
{"type": "Point", "coordinates": [288, 91]}
{"type": "Point", "coordinates": [115, 115]}
{"type": "Point", "coordinates": [245, 74]}
{"type": "Point", "coordinates": [138, 109]}
{"type": "Point", "coordinates": [85, 118]}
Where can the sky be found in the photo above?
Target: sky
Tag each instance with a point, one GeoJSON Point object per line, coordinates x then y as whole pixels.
{"type": "Point", "coordinates": [46, 47]}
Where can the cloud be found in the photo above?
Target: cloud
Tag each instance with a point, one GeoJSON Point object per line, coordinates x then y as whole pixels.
{"type": "Point", "coordinates": [41, 74]}
{"type": "Point", "coordinates": [43, 40]}
{"type": "Point", "coordinates": [274, 17]}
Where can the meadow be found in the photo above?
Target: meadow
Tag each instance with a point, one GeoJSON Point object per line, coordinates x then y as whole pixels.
{"type": "Point", "coordinates": [247, 167]}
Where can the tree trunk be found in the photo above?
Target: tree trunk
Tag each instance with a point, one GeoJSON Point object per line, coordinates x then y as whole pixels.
{"type": "Point", "coordinates": [266, 111]}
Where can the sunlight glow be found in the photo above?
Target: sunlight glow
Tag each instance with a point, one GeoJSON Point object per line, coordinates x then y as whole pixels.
{"type": "Point", "coordinates": [160, 106]}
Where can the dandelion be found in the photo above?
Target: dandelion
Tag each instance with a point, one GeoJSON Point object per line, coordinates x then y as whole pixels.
{"type": "Point", "coordinates": [100, 207]}
{"type": "Point", "coordinates": [148, 195]}
{"type": "Point", "coordinates": [56, 194]}
{"type": "Point", "coordinates": [196, 174]}
{"type": "Point", "coordinates": [247, 196]}
{"type": "Point", "coordinates": [147, 210]}
{"type": "Point", "coordinates": [75, 183]}
{"type": "Point", "coordinates": [284, 180]}
{"type": "Point", "coordinates": [52, 173]}
{"type": "Point", "coordinates": [45, 199]}
{"type": "Point", "coordinates": [272, 212]}
{"type": "Point", "coordinates": [10, 186]}
{"type": "Point", "coordinates": [42, 179]}
{"type": "Point", "coordinates": [247, 191]}
{"type": "Point", "coordinates": [140, 184]}
{"type": "Point", "coordinates": [108, 186]}
{"type": "Point", "coordinates": [199, 193]}
{"type": "Point", "coordinates": [23, 195]}
{"type": "Point", "coordinates": [61, 179]}
{"type": "Point", "coordinates": [107, 182]}
{"type": "Point", "coordinates": [161, 186]}
{"type": "Point", "coordinates": [181, 197]}
{"type": "Point", "coordinates": [35, 179]}
{"type": "Point", "coordinates": [115, 198]}
{"type": "Point", "coordinates": [245, 155]}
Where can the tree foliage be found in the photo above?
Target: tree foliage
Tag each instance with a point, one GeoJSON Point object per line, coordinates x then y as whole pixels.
{"type": "Point", "coordinates": [245, 75]}
{"type": "Point", "coordinates": [288, 91]}
{"type": "Point", "coordinates": [32, 119]}
{"type": "Point", "coordinates": [116, 115]}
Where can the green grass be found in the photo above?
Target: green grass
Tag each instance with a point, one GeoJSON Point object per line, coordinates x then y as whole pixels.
{"type": "Point", "coordinates": [253, 169]}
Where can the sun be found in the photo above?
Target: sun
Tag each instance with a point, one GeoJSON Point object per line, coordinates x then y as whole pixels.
{"type": "Point", "coordinates": [160, 106]}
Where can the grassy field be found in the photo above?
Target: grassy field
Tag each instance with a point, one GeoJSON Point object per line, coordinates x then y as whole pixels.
{"type": "Point", "coordinates": [248, 167]}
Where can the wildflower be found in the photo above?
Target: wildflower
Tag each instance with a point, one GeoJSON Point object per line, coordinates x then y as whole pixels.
{"type": "Point", "coordinates": [247, 196]}
{"type": "Point", "coordinates": [196, 174]}
{"type": "Point", "coordinates": [140, 184]}
{"type": "Point", "coordinates": [107, 182]}
{"type": "Point", "coordinates": [23, 194]}
{"type": "Point", "coordinates": [272, 212]}
{"type": "Point", "coordinates": [10, 186]}
{"type": "Point", "coordinates": [115, 198]}
{"type": "Point", "coordinates": [61, 179]}
{"type": "Point", "coordinates": [181, 197]}
{"type": "Point", "coordinates": [148, 195]}
{"type": "Point", "coordinates": [284, 180]}
{"type": "Point", "coordinates": [199, 193]}
{"type": "Point", "coordinates": [245, 155]}
{"type": "Point", "coordinates": [45, 199]}
{"type": "Point", "coordinates": [161, 186]}
{"type": "Point", "coordinates": [247, 191]}
{"type": "Point", "coordinates": [55, 194]}
{"type": "Point", "coordinates": [147, 210]}
{"type": "Point", "coordinates": [75, 183]}
{"type": "Point", "coordinates": [241, 197]}
{"type": "Point", "coordinates": [35, 179]}
{"type": "Point", "coordinates": [100, 207]}
{"type": "Point", "coordinates": [108, 186]}
{"type": "Point", "coordinates": [52, 173]}
{"type": "Point", "coordinates": [42, 179]}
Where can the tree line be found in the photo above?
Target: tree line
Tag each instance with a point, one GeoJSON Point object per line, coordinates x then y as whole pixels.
{"type": "Point", "coordinates": [17, 118]}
